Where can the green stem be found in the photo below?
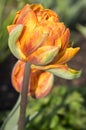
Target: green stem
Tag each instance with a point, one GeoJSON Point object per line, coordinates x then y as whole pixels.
{"type": "Point", "coordinates": [24, 94]}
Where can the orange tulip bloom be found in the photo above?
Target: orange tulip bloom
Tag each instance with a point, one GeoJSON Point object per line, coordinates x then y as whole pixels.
{"type": "Point", "coordinates": [37, 36]}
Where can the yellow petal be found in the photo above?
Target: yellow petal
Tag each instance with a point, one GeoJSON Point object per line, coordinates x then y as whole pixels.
{"type": "Point", "coordinates": [29, 42]}
{"type": "Point", "coordinates": [67, 55]}
{"type": "Point", "coordinates": [36, 7]}
{"type": "Point", "coordinates": [26, 17]}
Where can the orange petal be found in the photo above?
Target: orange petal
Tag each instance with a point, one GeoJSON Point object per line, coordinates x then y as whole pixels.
{"type": "Point", "coordinates": [29, 42]}
{"type": "Point", "coordinates": [21, 14]}
{"type": "Point", "coordinates": [41, 83]}
{"type": "Point", "coordinates": [17, 75]}
{"type": "Point", "coordinates": [65, 39]}
{"type": "Point", "coordinates": [16, 17]}
{"type": "Point", "coordinates": [11, 27]}
{"type": "Point", "coordinates": [30, 20]}
{"type": "Point", "coordinates": [43, 55]}
{"type": "Point", "coordinates": [48, 15]}
{"type": "Point", "coordinates": [36, 7]}
{"type": "Point", "coordinates": [26, 17]}
{"type": "Point", "coordinates": [60, 29]}
{"type": "Point", "coordinates": [67, 55]}
{"type": "Point", "coordinates": [49, 66]}
{"type": "Point", "coordinates": [56, 30]}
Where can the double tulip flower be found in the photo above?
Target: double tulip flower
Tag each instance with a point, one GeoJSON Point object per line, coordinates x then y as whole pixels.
{"type": "Point", "coordinates": [36, 36]}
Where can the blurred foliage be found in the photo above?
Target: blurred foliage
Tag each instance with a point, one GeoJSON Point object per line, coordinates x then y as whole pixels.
{"type": "Point", "coordinates": [70, 12]}
{"type": "Point", "coordinates": [81, 29]}
{"type": "Point", "coordinates": [6, 17]}
{"type": "Point", "coordinates": [63, 109]}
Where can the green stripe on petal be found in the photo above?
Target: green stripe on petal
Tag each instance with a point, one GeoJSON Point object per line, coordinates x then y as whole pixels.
{"type": "Point", "coordinates": [65, 73]}
{"type": "Point", "coordinates": [12, 42]}
{"type": "Point", "coordinates": [44, 55]}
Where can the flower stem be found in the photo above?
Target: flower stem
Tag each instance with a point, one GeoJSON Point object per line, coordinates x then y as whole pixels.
{"type": "Point", "coordinates": [24, 94]}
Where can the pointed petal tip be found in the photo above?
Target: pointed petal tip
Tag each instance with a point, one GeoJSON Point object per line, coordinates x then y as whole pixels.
{"type": "Point", "coordinates": [66, 73]}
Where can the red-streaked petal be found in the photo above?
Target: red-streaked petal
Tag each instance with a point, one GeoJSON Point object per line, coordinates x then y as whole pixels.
{"type": "Point", "coordinates": [11, 27]}
{"type": "Point", "coordinates": [43, 55]}
{"type": "Point", "coordinates": [21, 14]}
{"type": "Point", "coordinates": [26, 17]}
{"type": "Point", "coordinates": [17, 75]}
{"type": "Point", "coordinates": [41, 83]}
{"type": "Point", "coordinates": [65, 39]}
{"type": "Point", "coordinates": [29, 42]}
{"type": "Point", "coordinates": [36, 7]}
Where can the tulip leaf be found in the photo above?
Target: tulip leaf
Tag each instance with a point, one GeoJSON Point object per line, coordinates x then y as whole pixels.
{"type": "Point", "coordinates": [12, 42]}
{"type": "Point", "coordinates": [66, 73]}
{"type": "Point", "coordinates": [11, 121]}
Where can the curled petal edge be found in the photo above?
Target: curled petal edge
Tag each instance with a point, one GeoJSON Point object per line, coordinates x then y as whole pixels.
{"type": "Point", "coordinates": [65, 73]}
{"type": "Point", "coordinates": [12, 42]}
{"type": "Point", "coordinates": [41, 84]}
{"type": "Point", "coordinates": [44, 55]}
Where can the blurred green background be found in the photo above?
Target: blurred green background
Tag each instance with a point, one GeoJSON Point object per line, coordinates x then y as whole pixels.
{"type": "Point", "coordinates": [65, 107]}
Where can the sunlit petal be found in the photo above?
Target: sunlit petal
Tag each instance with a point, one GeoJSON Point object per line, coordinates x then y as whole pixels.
{"type": "Point", "coordinates": [65, 72]}
{"type": "Point", "coordinates": [30, 42]}
{"type": "Point", "coordinates": [67, 55]}
{"type": "Point", "coordinates": [43, 55]}
{"type": "Point", "coordinates": [65, 39]}
{"type": "Point", "coordinates": [41, 83]}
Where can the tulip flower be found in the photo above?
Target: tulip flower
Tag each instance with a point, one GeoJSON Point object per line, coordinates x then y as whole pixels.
{"type": "Point", "coordinates": [37, 36]}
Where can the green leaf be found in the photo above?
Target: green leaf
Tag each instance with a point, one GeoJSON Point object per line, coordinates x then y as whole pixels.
{"type": "Point", "coordinates": [11, 121]}
{"type": "Point", "coordinates": [65, 73]}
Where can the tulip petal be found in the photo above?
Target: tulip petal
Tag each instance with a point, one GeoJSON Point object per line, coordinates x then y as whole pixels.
{"type": "Point", "coordinates": [41, 83]}
{"type": "Point", "coordinates": [65, 39]}
{"type": "Point", "coordinates": [67, 55]}
{"type": "Point", "coordinates": [17, 75]}
{"type": "Point", "coordinates": [25, 15]}
{"type": "Point", "coordinates": [12, 42]}
{"type": "Point", "coordinates": [65, 72]}
{"type": "Point", "coordinates": [36, 7]}
{"type": "Point", "coordinates": [43, 55]}
{"type": "Point", "coordinates": [21, 14]}
{"type": "Point", "coordinates": [11, 27]}
{"type": "Point", "coordinates": [29, 42]}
